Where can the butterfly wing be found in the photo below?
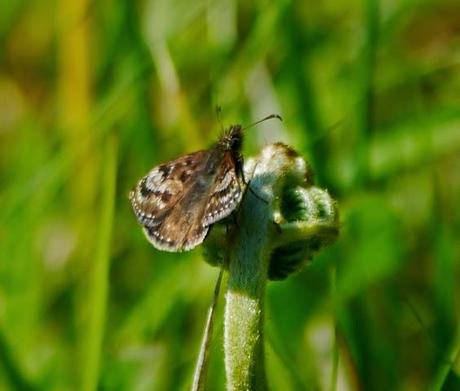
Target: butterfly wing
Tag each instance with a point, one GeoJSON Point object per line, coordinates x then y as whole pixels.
{"type": "Point", "coordinates": [176, 202]}
{"type": "Point", "coordinates": [160, 194]}
{"type": "Point", "coordinates": [225, 194]}
{"type": "Point", "coordinates": [212, 198]}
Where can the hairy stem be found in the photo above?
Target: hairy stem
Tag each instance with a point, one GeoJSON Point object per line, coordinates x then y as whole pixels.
{"type": "Point", "coordinates": [281, 222]}
{"type": "Point", "coordinates": [249, 258]}
{"type": "Point", "coordinates": [244, 311]}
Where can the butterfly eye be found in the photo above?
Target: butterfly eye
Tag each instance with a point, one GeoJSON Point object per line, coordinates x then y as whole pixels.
{"type": "Point", "coordinates": [236, 142]}
{"type": "Point", "coordinates": [236, 139]}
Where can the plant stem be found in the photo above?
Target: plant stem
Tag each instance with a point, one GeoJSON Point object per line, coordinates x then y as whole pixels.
{"type": "Point", "coordinates": [258, 246]}
{"type": "Point", "coordinates": [249, 256]}
{"type": "Point", "coordinates": [244, 311]}
{"type": "Point", "coordinates": [335, 348]}
{"type": "Point", "coordinates": [199, 378]}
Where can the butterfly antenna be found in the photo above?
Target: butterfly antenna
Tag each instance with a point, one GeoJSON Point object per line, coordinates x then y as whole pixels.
{"type": "Point", "coordinates": [271, 116]}
{"type": "Point", "coordinates": [219, 117]}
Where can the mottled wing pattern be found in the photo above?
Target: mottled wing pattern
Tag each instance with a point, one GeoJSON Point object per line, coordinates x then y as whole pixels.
{"type": "Point", "coordinates": [225, 193]}
{"type": "Point", "coordinates": [178, 201]}
{"type": "Point", "coordinates": [160, 193]}
{"type": "Point", "coordinates": [212, 198]}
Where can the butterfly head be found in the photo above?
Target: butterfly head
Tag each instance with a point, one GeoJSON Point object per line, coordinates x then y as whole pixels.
{"type": "Point", "coordinates": [232, 139]}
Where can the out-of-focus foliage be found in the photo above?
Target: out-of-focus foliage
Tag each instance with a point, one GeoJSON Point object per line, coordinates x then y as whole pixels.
{"type": "Point", "coordinates": [94, 93]}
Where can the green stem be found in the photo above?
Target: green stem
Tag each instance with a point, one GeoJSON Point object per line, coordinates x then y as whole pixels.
{"type": "Point", "coordinates": [249, 257]}
{"type": "Point", "coordinates": [202, 364]}
{"type": "Point", "coordinates": [244, 311]}
{"type": "Point", "coordinates": [264, 244]}
{"type": "Point", "coordinates": [335, 349]}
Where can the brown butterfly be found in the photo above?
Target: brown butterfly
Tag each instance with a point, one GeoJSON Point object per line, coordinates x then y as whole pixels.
{"type": "Point", "coordinates": [177, 201]}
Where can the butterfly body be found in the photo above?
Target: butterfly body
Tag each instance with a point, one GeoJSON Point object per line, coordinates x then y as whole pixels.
{"type": "Point", "coordinates": [178, 201]}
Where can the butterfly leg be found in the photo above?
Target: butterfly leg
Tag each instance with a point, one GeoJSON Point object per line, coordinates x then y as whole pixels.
{"type": "Point", "coordinates": [248, 187]}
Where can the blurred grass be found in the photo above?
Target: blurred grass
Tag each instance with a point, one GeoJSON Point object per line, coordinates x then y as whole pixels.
{"type": "Point", "coordinates": [99, 275]}
{"type": "Point", "coordinates": [369, 92]}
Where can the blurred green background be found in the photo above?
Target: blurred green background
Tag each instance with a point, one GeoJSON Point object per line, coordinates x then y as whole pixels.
{"type": "Point", "coordinates": [95, 93]}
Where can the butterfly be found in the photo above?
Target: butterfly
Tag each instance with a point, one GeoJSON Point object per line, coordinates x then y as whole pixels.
{"type": "Point", "coordinates": [177, 202]}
